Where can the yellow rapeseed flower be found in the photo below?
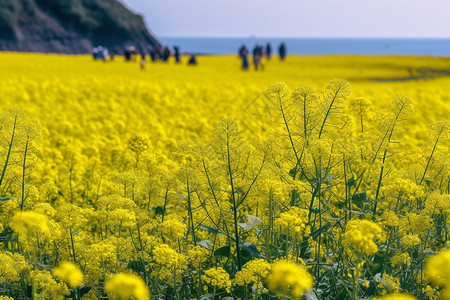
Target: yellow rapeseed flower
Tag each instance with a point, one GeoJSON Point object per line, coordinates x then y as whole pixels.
{"type": "Point", "coordinates": [437, 270]}
{"type": "Point", "coordinates": [254, 271]}
{"type": "Point", "coordinates": [29, 223]}
{"type": "Point", "coordinates": [69, 273]}
{"type": "Point", "coordinates": [217, 278]}
{"type": "Point", "coordinates": [396, 297]}
{"type": "Point", "coordinates": [125, 286]}
{"type": "Point", "coordinates": [360, 235]}
{"type": "Point", "coordinates": [289, 277]}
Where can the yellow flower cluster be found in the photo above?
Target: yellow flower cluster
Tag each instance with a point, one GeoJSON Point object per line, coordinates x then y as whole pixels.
{"type": "Point", "coordinates": [389, 285]}
{"type": "Point", "coordinates": [287, 277]}
{"type": "Point", "coordinates": [416, 223]}
{"type": "Point", "coordinates": [409, 241]}
{"type": "Point", "coordinates": [173, 228]}
{"type": "Point", "coordinates": [360, 235]}
{"type": "Point", "coordinates": [69, 273]}
{"type": "Point", "coordinates": [437, 203]}
{"type": "Point", "coordinates": [401, 258]}
{"type": "Point", "coordinates": [293, 222]}
{"type": "Point", "coordinates": [217, 278]}
{"type": "Point", "coordinates": [403, 189]}
{"type": "Point", "coordinates": [166, 256]}
{"type": "Point", "coordinates": [396, 297]}
{"type": "Point", "coordinates": [127, 286]}
{"type": "Point", "coordinates": [47, 286]}
{"type": "Point", "coordinates": [198, 255]}
{"type": "Point", "coordinates": [29, 224]}
{"type": "Point", "coordinates": [390, 218]}
{"type": "Point", "coordinates": [437, 271]}
{"type": "Point", "coordinates": [11, 264]}
{"type": "Point", "coordinates": [254, 271]}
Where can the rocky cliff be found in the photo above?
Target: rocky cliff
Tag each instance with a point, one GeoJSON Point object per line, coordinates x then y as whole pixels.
{"type": "Point", "coordinates": [70, 26]}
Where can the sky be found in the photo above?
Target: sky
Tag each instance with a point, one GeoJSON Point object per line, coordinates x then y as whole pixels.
{"type": "Point", "coordinates": [296, 18]}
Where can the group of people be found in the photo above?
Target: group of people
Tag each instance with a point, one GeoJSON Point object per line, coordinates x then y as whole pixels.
{"type": "Point", "coordinates": [156, 54]}
{"type": "Point", "coordinates": [100, 52]}
{"type": "Point", "coordinates": [164, 53]}
{"type": "Point", "coordinates": [259, 52]}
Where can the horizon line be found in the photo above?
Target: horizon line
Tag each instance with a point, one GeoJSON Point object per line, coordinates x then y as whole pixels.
{"type": "Point", "coordinates": [296, 37]}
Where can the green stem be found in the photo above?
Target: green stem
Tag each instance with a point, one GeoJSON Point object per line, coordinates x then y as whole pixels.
{"type": "Point", "coordinates": [23, 174]}
{"type": "Point", "coordinates": [9, 150]}
{"type": "Point", "coordinates": [214, 293]}
{"type": "Point", "coordinates": [73, 245]}
{"type": "Point", "coordinates": [235, 208]}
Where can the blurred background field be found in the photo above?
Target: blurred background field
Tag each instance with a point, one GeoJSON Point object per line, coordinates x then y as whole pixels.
{"type": "Point", "coordinates": [77, 99]}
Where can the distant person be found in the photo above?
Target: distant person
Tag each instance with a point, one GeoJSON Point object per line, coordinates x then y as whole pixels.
{"type": "Point", "coordinates": [130, 53]}
{"type": "Point", "coordinates": [159, 53]}
{"type": "Point", "coordinates": [192, 60]}
{"type": "Point", "coordinates": [243, 54]}
{"type": "Point", "coordinates": [282, 51]}
{"type": "Point", "coordinates": [152, 52]}
{"type": "Point", "coordinates": [95, 53]}
{"type": "Point", "coordinates": [241, 50]}
{"type": "Point", "coordinates": [176, 54]}
{"type": "Point", "coordinates": [257, 56]}
{"type": "Point", "coordinates": [268, 50]}
{"type": "Point", "coordinates": [105, 54]}
{"type": "Point", "coordinates": [143, 61]}
{"type": "Point", "coordinates": [166, 54]}
{"type": "Point", "coordinates": [127, 55]}
{"type": "Point", "coordinates": [261, 55]}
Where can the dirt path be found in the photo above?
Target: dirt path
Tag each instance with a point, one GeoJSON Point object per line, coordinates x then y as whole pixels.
{"type": "Point", "coordinates": [423, 74]}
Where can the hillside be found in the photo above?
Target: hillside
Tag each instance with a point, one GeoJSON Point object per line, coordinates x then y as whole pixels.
{"type": "Point", "coordinates": [70, 26]}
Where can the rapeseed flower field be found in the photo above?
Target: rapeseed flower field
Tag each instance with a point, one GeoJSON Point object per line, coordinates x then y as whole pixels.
{"type": "Point", "coordinates": [319, 177]}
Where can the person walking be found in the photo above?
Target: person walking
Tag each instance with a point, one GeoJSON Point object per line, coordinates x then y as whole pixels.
{"type": "Point", "coordinates": [257, 56]}
{"type": "Point", "coordinates": [268, 50]}
{"type": "Point", "coordinates": [282, 51]}
{"type": "Point", "coordinates": [243, 54]}
{"type": "Point", "coordinates": [176, 54]}
{"type": "Point", "coordinates": [143, 61]}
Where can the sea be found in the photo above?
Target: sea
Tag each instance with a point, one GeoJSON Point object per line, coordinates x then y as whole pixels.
{"type": "Point", "coordinates": [315, 46]}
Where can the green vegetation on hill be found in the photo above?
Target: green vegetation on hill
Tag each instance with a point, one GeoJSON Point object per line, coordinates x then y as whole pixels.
{"type": "Point", "coordinates": [100, 21]}
{"type": "Point", "coordinates": [9, 13]}
{"type": "Point", "coordinates": [95, 16]}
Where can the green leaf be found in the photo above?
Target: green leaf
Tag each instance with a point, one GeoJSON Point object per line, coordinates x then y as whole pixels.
{"type": "Point", "coordinates": [206, 297]}
{"type": "Point", "coordinates": [179, 195]}
{"type": "Point", "coordinates": [310, 295]}
{"type": "Point", "coordinates": [252, 221]}
{"type": "Point", "coordinates": [320, 230]}
{"type": "Point", "coordinates": [83, 290]}
{"type": "Point", "coordinates": [428, 251]}
{"type": "Point", "coordinates": [251, 248]}
{"type": "Point", "coordinates": [205, 244]}
{"type": "Point", "coordinates": [210, 229]}
{"type": "Point", "coordinates": [75, 233]}
{"type": "Point", "coordinates": [359, 199]}
{"type": "Point", "coordinates": [271, 250]}
{"type": "Point", "coordinates": [315, 210]}
{"type": "Point", "coordinates": [223, 251]}
{"type": "Point", "coordinates": [7, 198]}
{"type": "Point", "coordinates": [351, 182]}
{"type": "Point", "coordinates": [357, 212]}
{"type": "Point", "coordinates": [159, 210]}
